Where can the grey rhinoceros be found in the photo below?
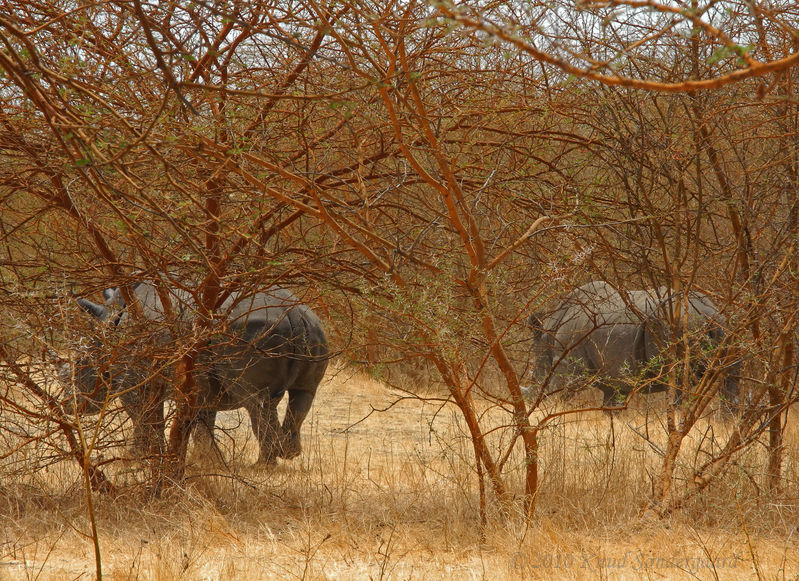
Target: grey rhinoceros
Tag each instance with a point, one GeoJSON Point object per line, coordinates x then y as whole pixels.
{"type": "Point", "coordinates": [258, 347]}
{"type": "Point", "coordinates": [619, 339]}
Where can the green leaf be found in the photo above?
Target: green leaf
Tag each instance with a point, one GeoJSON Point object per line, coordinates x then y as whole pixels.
{"type": "Point", "coordinates": [724, 52]}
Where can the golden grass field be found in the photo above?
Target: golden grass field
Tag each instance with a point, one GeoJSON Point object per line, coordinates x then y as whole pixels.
{"type": "Point", "coordinates": [392, 495]}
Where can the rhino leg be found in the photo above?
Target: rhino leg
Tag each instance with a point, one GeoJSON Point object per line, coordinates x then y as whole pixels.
{"type": "Point", "coordinates": [611, 396]}
{"type": "Point", "coordinates": [146, 411]}
{"type": "Point", "coordinates": [299, 405]}
{"type": "Point", "coordinates": [265, 424]}
{"type": "Point", "coordinates": [204, 425]}
{"type": "Point", "coordinates": [203, 432]}
{"type": "Point", "coordinates": [729, 394]}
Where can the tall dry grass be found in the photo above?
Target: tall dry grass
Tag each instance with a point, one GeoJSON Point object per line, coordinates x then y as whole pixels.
{"type": "Point", "coordinates": [393, 494]}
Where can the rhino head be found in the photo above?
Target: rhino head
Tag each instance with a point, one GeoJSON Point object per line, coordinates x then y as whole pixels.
{"type": "Point", "coordinates": [111, 310]}
{"type": "Point", "coordinates": [88, 376]}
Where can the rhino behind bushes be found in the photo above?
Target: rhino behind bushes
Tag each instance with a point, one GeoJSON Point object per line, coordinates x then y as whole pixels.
{"type": "Point", "coordinates": [258, 347]}
{"type": "Point", "coordinates": [619, 338]}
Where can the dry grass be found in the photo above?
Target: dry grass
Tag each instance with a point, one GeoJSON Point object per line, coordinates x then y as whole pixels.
{"type": "Point", "coordinates": [392, 495]}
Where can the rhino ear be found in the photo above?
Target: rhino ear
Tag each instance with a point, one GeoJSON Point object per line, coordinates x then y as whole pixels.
{"type": "Point", "coordinates": [113, 296]}
{"type": "Point", "coordinates": [96, 311]}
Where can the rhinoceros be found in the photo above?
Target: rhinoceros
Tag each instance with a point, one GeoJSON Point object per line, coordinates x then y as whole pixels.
{"type": "Point", "coordinates": [620, 339]}
{"type": "Point", "coordinates": [259, 347]}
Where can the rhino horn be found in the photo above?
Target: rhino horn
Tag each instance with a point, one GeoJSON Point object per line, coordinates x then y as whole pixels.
{"type": "Point", "coordinates": [96, 311]}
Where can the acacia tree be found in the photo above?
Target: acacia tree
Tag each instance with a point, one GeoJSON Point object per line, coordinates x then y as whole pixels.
{"type": "Point", "coordinates": [652, 153]}
{"type": "Point", "coordinates": [96, 130]}
{"type": "Point", "coordinates": [680, 159]}
{"type": "Point", "coordinates": [429, 158]}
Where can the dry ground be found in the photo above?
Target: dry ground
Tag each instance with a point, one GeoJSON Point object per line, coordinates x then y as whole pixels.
{"type": "Point", "coordinates": [391, 495]}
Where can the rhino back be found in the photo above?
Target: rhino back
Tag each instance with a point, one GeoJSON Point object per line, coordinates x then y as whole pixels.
{"type": "Point", "coordinates": [274, 344]}
{"type": "Point", "coordinates": [276, 319]}
{"type": "Point", "coordinates": [587, 309]}
{"type": "Point", "coordinates": [269, 341]}
{"type": "Point", "coordinates": [600, 329]}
